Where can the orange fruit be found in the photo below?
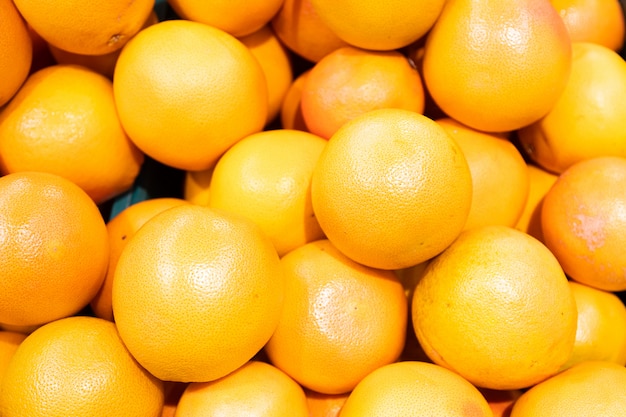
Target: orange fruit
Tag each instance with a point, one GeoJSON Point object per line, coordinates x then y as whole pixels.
{"type": "Point", "coordinates": [509, 65]}
{"type": "Point", "coordinates": [86, 28]}
{"type": "Point", "coordinates": [583, 222]}
{"type": "Point", "coordinates": [340, 321]}
{"type": "Point", "coordinates": [186, 92]}
{"type": "Point", "coordinates": [239, 18]}
{"type": "Point", "coordinates": [414, 388]}
{"type": "Point", "coordinates": [324, 405]}
{"type": "Point", "coordinates": [197, 293]}
{"type": "Point", "coordinates": [256, 389]}
{"type": "Point", "coordinates": [266, 177]}
{"type": "Point", "coordinates": [592, 388]}
{"type": "Point", "coordinates": [496, 308]}
{"type": "Point", "coordinates": [409, 277]}
{"type": "Point", "coordinates": [275, 63]}
{"type": "Point", "coordinates": [291, 108]}
{"type": "Point", "coordinates": [540, 182]}
{"type": "Point", "coordinates": [196, 186]}
{"type": "Point", "coordinates": [54, 248]}
{"type": "Point", "coordinates": [103, 64]}
{"type": "Point", "coordinates": [77, 366]}
{"type": "Point", "coordinates": [501, 401]}
{"type": "Point", "coordinates": [500, 180]}
{"type": "Point", "coordinates": [300, 29]}
{"type": "Point", "coordinates": [379, 26]}
{"type": "Point", "coordinates": [9, 342]}
{"type": "Point", "coordinates": [601, 331]}
{"type": "Point", "coordinates": [350, 81]}
{"type": "Point", "coordinates": [589, 118]}
{"type": "Point", "coordinates": [597, 21]}
{"type": "Point", "coordinates": [121, 229]}
{"type": "Point", "coordinates": [64, 121]}
{"type": "Point", "coordinates": [391, 189]}
{"type": "Point", "coordinates": [16, 51]}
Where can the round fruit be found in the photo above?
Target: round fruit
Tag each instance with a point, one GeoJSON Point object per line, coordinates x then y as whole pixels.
{"type": "Point", "coordinates": [497, 66]}
{"type": "Point", "coordinates": [589, 118]}
{"type": "Point", "coordinates": [16, 51]}
{"type": "Point", "coordinates": [266, 177]}
{"type": "Point", "coordinates": [414, 389]}
{"type": "Point", "coordinates": [601, 330]}
{"type": "Point", "coordinates": [500, 180]}
{"type": "Point", "coordinates": [187, 91]}
{"type": "Point", "coordinates": [256, 389]}
{"type": "Point", "coordinates": [341, 320]}
{"type": "Point", "coordinates": [121, 228]}
{"type": "Point", "coordinates": [93, 28]}
{"type": "Point", "coordinates": [583, 222]}
{"type": "Point", "coordinates": [592, 388]}
{"type": "Point", "coordinates": [351, 81]}
{"type": "Point", "coordinates": [78, 366]}
{"type": "Point", "coordinates": [391, 189]}
{"type": "Point", "coordinates": [54, 248]}
{"type": "Point", "coordinates": [64, 121]}
{"type": "Point", "coordinates": [197, 293]}
{"type": "Point", "coordinates": [371, 24]}
{"type": "Point", "coordinates": [496, 308]}
{"type": "Point", "coordinates": [237, 17]}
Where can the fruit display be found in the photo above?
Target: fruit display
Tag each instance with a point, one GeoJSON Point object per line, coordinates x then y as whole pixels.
{"type": "Point", "coordinates": [312, 208]}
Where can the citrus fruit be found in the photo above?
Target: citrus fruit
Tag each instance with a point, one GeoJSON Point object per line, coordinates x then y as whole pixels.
{"type": "Point", "coordinates": [300, 29]}
{"type": "Point", "coordinates": [496, 308]}
{"type": "Point", "coordinates": [77, 366]}
{"type": "Point", "coordinates": [54, 248]}
{"type": "Point", "coordinates": [375, 25]}
{"type": "Point", "coordinates": [103, 64]}
{"type": "Point", "coordinates": [324, 405]}
{"type": "Point", "coordinates": [589, 118]}
{"type": "Point", "coordinates": [64, 121]}
{"type": "Point", "coordinates": [601, 330]}
{"type": "Point", "coordinates": [9, 342]}
{"type": "Point", "coordinates": [351, 81]}
{"type": "Point", "coordinates": [197, 293]}
{"type": "Point", "coordinates": [291, 108]}
{"type": "Point", "coordinates": [391, 189]}
{"type": "Point", "coordinates": [239, 18]}
{"type": "Point", "coordinates": [256, 389]}
{"type": "Point", "coordinates": [340, 321]}
{"type": "Point", "coordinates": [121, 229]}
{"type": "Point", "coordinates": [186, 92]}
{"type": "Point", "coordinates": [582, 219]}
{"type": "Point", "coordinates": [275, 63]}
{"type": "Point", "coordinates": [597, 21]}
{"type": "Point", "coordinates": [16, 51]}
{"type": "Point", "coordinates": [196, 186]}
{"type": "Point", "coordinates": [94, 28]}
{"type": "Point", "coordinates": [540, 182]}
{"type": "Point", "coordinates": [500, 180]}
{"type": "Point", "coordinates": [510, 64]}
{"type": "Point", "coordinates": [592, 388]}
{"type": "Point", "coordinates": [414, 388]}
{"type": "Point", "coordinates": [266, 177]}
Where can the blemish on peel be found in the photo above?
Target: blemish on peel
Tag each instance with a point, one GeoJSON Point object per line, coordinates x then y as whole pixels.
{"type": "Point", "coordinates": [114, 39]}
{"type": "Point", "coordinates": [590, 229]}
